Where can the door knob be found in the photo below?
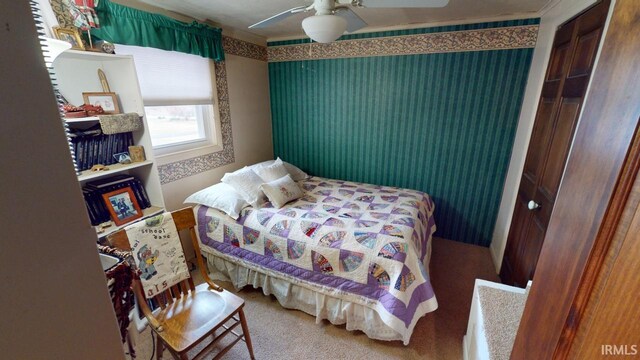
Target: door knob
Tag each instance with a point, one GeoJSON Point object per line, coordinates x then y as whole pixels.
{"type": "Point", "coordinates": [532, 205]}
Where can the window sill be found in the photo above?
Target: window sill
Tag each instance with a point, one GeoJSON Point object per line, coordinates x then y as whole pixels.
{"type": "Point", "coordinates": [168, 157]}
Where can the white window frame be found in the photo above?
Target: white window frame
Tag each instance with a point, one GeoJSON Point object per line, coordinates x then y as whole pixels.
{"type": "Point", "coordinates": [208, 118]}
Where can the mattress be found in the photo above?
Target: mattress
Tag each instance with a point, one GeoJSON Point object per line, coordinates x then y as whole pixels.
{"type": "Point", "coordinates": [362, 246]}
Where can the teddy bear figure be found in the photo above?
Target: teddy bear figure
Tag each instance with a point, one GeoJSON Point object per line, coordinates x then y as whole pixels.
{"type": "Point", "coordinates": [147, 259]}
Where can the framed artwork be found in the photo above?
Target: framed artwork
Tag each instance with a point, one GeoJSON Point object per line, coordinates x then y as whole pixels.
{"type": "Point", "coordinates": [136, 153]}
{"type": "Point", "coordinates": [108, 101]}
{"type": "Point", "coordinates": [123, 206]}
{"type": "Point", "coordinates": [122, 158]}
{"type": "Point", "coordinates": [70, 35]}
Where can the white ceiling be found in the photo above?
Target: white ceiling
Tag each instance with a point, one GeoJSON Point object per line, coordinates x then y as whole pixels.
{"type": "Point", "coordinates": [240, 14]}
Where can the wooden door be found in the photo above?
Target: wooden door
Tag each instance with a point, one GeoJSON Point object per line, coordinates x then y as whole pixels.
{"type": "Point", "coordinates": [572, 57]}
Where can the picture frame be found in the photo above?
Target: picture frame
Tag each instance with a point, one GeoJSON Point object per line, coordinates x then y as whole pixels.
{"type": "Point", "coordinates": [122, 158]}
{"type": "Point", "coordinates": [122, 205]}
{"type": "Point", "coordinates": [70, 35]}
{"type": "Point", "coordinates": [136, 152]}
{"type": "Point", "coordinates": [107, 100]}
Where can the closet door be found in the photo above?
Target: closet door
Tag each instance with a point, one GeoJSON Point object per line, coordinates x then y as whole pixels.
{"type": "Point", "coordinates": [574, 51]}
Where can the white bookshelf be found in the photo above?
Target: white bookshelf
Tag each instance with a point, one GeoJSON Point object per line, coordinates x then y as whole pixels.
{"type": "Point", "coordinates": [77, 72]}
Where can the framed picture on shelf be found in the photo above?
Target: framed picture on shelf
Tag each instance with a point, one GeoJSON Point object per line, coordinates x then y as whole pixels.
{"type": "Point", "coordinates": [107, 100]}
{"type": "Point", "coordinates": [136, 153]}
{"type": "Point", "coordinates": [122, 158]}
{"type": "Point", "coordinates": [123, 206]}
{"type": "Point", "coordinates": [70, 35]}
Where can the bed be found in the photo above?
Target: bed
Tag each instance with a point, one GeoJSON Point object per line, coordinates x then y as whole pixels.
{"type": "Point", "coordinates": [352, 253]}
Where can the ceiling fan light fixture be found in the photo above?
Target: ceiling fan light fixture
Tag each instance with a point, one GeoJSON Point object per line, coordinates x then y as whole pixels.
{"type": "Point", "coordinates": [324, 28]}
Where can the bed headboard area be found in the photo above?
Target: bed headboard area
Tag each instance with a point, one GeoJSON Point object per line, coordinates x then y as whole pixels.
{"type": "Point", "coordinates": [432, 109]}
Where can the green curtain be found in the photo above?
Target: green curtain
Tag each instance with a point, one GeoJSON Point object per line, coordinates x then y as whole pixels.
{"type": "Point", "coordinates": [124, 25]}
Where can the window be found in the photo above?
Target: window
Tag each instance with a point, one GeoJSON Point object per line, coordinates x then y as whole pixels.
{"type": "Point", "coordinates": [177, 90]}
{"type": "Point", "coordinates": [178, 124]}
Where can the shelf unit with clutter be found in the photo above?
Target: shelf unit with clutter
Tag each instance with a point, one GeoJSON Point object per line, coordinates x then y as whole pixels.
{"type": "Point", "coordinates": [77, 73]}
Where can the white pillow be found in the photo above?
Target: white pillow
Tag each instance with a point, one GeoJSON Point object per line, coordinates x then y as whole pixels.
{"type": "Point", "coordinates": [247, 183]}
{"type": "Point", "coordinates": [222, 197]}
{"type": "Point", "coordinates": [281, 191]}
{"type": "Point", "coordinates": [294, 171]}
{"type": "Point", "coordinates": [271, 172]}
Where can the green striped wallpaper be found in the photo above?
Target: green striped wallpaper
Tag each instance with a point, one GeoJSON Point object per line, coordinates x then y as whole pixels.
{"type": "Point", "coordinates": [440, 123]}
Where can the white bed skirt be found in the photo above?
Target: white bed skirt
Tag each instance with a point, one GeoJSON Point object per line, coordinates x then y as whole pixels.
{"type": "Point", "coordinates": [291, 296]}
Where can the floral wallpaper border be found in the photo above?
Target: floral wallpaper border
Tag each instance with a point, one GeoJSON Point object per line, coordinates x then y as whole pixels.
{"type": "Point", "coordinates": [184, 168]}
{"type": "Point", "coordinates": [244, 48]}
{"type": "Point", "coordinates": [513, 37]}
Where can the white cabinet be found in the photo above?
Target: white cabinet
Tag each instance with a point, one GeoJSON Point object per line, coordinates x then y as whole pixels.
{"type": "Point", "coordinates": [77, 72]}
{"type": "Point", "coordinates": [494, 318]}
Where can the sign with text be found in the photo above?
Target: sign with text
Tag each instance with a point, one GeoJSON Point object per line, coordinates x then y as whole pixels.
{"type": "Point", "coordinates": [156, 246]}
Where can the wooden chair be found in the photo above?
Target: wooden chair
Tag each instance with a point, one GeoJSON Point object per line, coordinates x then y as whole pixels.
{"type": "Point", "coordinates": [188, 314]}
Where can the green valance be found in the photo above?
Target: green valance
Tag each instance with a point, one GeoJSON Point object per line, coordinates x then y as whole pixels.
{"type": "Point", "coordinates": [124, 25]}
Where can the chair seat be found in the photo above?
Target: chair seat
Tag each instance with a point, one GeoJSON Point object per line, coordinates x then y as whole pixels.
{"type": "Point", "coordinates": [191, 318]}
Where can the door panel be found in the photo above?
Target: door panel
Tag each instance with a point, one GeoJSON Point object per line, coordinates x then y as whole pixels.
{"type": "Point", "coordinates": [539, 140]}
{"type": "Point", "coordinates": [574, 50]}
{"type": "Point", "coordinates": [514, 249]}
{"type": "Point", "coordinates": [529, 254]}
{"type": "Point", "coordinates": [557, 66]}
{"type": "Point", "coordinates": [567, 118]}
{"type": "Point", "coordinates": [585, 52]}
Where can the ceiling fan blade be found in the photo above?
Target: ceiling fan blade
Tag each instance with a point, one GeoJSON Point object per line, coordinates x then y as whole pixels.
{"type": "Point", "coordinates": [403, 3]}
{"type": "Point", "coordinates": [279, 17]}
{"type": "Point", "coordinates": [354, 22]}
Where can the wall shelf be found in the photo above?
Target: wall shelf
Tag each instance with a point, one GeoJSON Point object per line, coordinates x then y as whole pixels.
{"type": "Point", "coordinates": [91, 55]}
{"type": "Point", "coordinates": [88, 119]}
{"type": "Point", "coordinates": [113, 169]}
{"type": "Point", "coordinates": [81, 120]}
{"type": "Point", "coordinates": [148, 212]}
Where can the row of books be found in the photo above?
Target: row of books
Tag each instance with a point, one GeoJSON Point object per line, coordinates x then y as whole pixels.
{"type": "Point", "coordinates": [97, 206]}
{"type": "Point", "coordinates": [92, 147]}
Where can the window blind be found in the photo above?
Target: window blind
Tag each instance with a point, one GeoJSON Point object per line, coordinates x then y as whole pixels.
{"type": "Point", "coordinates": [170, 77]}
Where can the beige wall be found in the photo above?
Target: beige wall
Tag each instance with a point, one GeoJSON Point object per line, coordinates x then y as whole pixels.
{"type": "Point", "coordinates": [550, 20]}
{"type": "Point", "coordinates": [55, 303]}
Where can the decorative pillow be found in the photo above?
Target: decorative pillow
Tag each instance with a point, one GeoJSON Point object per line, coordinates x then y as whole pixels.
{"type": "Point", "coordinates": [271, 172]}
{"type": "Point", "coordinates": [247, 183]}
{"type": "Point", "coordinates": [222, 197]}
{"type": "Point", "coordinates": [294, 171]}
{"type": "Point", "coordinates": [281, 191]}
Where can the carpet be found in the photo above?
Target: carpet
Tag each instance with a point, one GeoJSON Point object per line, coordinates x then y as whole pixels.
{"type": "Point", "coordinates": [279, 333]}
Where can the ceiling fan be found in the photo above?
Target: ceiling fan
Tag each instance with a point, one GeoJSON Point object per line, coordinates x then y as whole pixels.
{"type": "Point", "coordinates": [334, 17]}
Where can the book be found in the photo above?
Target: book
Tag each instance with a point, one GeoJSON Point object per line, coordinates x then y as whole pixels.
{"type": "Point", "coordinates": [92, 147]}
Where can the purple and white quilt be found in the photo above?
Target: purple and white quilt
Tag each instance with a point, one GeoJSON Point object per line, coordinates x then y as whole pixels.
{"type": "Point", "coordinates": [358, 242]}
